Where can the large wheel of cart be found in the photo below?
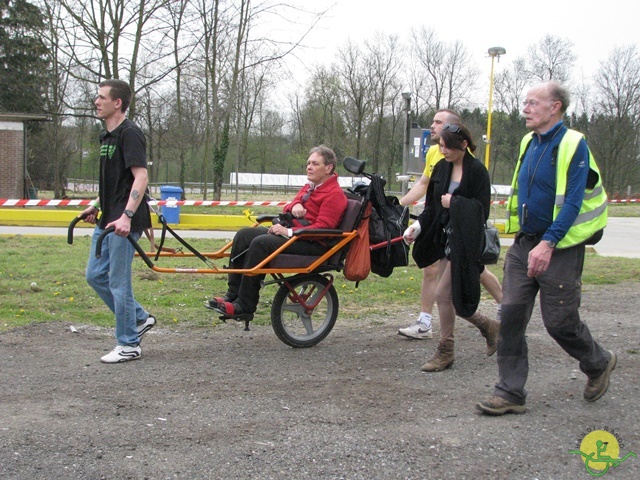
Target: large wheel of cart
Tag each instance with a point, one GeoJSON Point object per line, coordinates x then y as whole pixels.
{"type": "Point", "coordinates": [304, 310]}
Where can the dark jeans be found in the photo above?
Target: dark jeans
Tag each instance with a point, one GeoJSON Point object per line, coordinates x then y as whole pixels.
{"type": "Point", "coordinates": [559, 289]}
{"type": "Point", "coordinates": [251, 246]}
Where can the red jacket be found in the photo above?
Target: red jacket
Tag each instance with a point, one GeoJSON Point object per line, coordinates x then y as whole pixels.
{"type": "Point", "coordinates": [326, 204]}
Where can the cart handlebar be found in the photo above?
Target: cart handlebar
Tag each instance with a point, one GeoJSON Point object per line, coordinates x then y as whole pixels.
{"type": "Point", "coordinates": [72, 226]}
{"type": "Point", "coordinates": [135, 244]}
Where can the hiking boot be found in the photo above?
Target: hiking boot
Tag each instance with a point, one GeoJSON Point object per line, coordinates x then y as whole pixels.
{"type": "Point", "coordinates": [418, 331]}
{"type": "Point", "coordinates": [442, 359]}
{"type": "Point", "coordinates": [597, 387]}
{"type": "Point", "coordinates": [491, 331]}
{"type": "Point", "coordinates": [122, 353]}
{"type": "Point", "coordinates": [144, 327]}
{"type": "Point", "coordinates": [499, 406]}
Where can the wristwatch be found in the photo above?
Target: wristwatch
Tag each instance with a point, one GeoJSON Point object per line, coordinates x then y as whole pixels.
{"type": "Point", "coordinates": [129, 213]}
{"type": "Point", "coordinates": [550, 243]}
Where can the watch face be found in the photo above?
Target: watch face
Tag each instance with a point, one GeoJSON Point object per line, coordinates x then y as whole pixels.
{"type": "Point", "coordinates": [129, 213]}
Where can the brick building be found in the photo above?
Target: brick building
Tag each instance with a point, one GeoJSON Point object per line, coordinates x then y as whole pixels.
{"type": "Point", "coordinates": [13, 156]}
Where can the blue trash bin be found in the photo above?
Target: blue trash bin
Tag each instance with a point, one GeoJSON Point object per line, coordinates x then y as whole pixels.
{"type": "Point", "coordinates": [171, 213]}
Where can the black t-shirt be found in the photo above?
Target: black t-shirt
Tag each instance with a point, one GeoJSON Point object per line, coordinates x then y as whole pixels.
{"type": "Point", "coordinates": [121, 149]}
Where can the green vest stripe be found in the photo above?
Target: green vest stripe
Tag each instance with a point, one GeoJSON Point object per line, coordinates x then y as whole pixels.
{"type": "Point", "coordinates": [590, 215]}
{"type": "Point", "coordinates": [587, 196]}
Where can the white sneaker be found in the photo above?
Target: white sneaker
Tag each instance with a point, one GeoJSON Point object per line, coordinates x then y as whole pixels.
{"type": "Point", "coordinates": [145, 326]}
{"type": "Point", "coordinates": [122, 353]}
{"type": "Point", "coordinates": [418, 330]}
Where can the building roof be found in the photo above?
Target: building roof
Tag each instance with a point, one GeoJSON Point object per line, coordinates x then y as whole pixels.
{"type": "Point", "coordinates": [23, 117]}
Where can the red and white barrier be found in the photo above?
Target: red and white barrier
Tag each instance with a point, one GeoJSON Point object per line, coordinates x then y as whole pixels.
{"type": "Point", "coordinates": [6, 202]}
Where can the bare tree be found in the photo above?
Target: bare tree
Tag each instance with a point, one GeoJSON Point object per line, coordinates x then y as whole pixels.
{"type": "Point", "coordinates": [53, 144]}
{"type": "Point", "coordinates": [214, 48]}
{"type": "Point", "coordinates": [384, 60]}
{"type": "Point", "coordinates": [176, 18]}
{"type": "Point", "coordinates": [222, 146]}
{"type": "Point", "coordinates": [449, 75]}
{"type": "Point", "coordinates": [254, 119]}
{"type": "Point", "coordinates": [551, 59]}
{"type": "Point", "coordinates": [462, 74]}
{"type": "Point", "coordinates": [429, 53]}
{"type": "Point", "coordinates": [356, 85]}
{"type": "Point", "coordinates": [267, 141]}
{"type": "Point", "coordinates": [115, 39]}
{"type": "Point", "coordinates": [230, 50]}
{"type": "Point", "coordinates": [317, 118]}
{"type": "Point", "coordinates": [156, 113]}
{"type": "Point", "coordinates": [582, 101]}
{"type": "Point", "coordinates": [614, 130]}
{"type": "Point", "coordinates": [510, 85]}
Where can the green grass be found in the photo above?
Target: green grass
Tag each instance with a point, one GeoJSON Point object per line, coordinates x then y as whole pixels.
{"type": "Point", "coordinates": [62, 293]}
{"type": "Point", "coordinates": [626, 210]}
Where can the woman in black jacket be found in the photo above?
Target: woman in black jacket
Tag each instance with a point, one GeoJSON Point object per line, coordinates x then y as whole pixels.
{"type": "Point", "coordinates": [450, 230]}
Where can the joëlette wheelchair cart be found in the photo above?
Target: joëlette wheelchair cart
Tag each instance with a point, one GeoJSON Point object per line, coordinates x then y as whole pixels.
{"type": "Point", "coordinates": [305, 306]}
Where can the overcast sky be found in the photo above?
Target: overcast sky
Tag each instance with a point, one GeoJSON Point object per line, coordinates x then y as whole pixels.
{"type": "Point", "coordinates": [595, 27]}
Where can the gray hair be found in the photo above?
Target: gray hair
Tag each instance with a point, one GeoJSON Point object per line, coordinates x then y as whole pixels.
{"type": "Point", "coordinates": [328, 155]}
{"type": "Point", "coordinates": [559, 93]}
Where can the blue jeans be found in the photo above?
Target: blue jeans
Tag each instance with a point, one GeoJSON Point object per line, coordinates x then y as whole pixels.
{"type": "Point", "coordinates": [110, 277]}
{"type": "Point", "coordinates": [559, 289]}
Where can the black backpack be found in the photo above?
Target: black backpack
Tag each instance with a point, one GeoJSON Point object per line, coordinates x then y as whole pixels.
{"type": "Point", "coordinates": [387, 223]}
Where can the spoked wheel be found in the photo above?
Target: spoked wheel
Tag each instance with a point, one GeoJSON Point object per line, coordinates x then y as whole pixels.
{"type": "Point", "coordinates": [304, 313]}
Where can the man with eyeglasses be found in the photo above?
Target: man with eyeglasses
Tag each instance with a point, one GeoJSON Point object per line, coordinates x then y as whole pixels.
{"type": "Point", "coordinates": [557, 206]}
{"type": "Point", "coordinates": [320, 203]}
{"type": "Point", "coordinates": [422, 328]}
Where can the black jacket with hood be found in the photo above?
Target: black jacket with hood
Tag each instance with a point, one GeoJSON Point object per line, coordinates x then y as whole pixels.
{"type": "Point", "coordinates": [465, 219]}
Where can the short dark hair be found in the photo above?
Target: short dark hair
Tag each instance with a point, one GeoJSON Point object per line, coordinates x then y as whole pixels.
{"type": "Point", "coordinates": [454, 140]}
{"type": "Point", "coordinates": [119, 89]}
{"type": "Point", "coordinates": [328, 156]}
{"type": "Point", "coordinates": [453, 116]}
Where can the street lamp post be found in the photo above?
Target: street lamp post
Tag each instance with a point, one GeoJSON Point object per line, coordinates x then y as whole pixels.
{"type": "Point", "coordinates": [406, 97]}
{"type": "Point", "coordinates": [493, 53]}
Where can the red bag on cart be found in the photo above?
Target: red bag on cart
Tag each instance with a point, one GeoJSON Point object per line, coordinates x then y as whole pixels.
{"type": "Point", "coordinates": [357, 264]}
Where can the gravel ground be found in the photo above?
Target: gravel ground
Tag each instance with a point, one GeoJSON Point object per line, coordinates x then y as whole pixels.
{"type": "Point", "coordinates": [220, 402]}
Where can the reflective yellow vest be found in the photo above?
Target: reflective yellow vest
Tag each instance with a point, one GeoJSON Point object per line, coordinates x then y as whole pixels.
{"type": "Point", "coordinates": [593, 213]}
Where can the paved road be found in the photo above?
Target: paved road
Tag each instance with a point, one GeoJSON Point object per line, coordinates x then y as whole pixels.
{"type": "Point", "coordinates": [620, 238]}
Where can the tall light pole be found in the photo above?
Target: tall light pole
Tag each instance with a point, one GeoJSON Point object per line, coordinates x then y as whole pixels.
{"type": "Point", "coordinates": [406, 97]}
{"type": "Point", "coordinates": [493, 53]}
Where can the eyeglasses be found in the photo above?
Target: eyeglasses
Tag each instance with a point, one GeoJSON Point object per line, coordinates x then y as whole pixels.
{"type": "Point", "coordinates": [452, 127]}
{"type": "Point", "coordinates": [535, 103]}
{"type": "Point", "coordinates": [530, 103]}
